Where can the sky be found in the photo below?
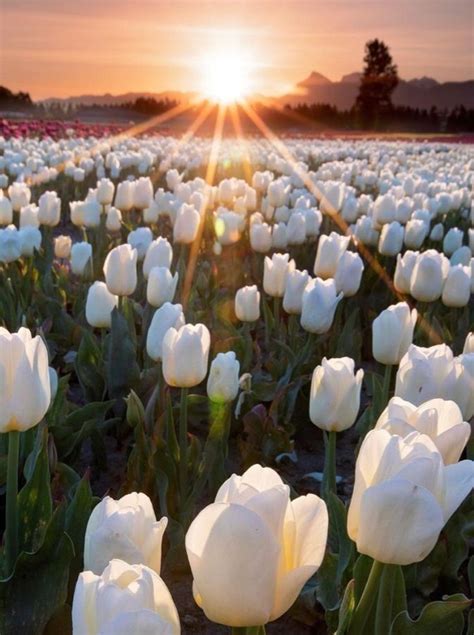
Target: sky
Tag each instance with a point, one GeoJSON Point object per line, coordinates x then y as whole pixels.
{"type": "Point", "coordinates": [59, 48]}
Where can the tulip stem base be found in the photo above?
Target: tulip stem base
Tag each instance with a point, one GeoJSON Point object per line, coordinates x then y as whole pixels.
{"type": "Point", "coordinates": [183, 447]}
{"type": "Point", "coordinates": [248, 630]}
{"type": "Point", "coordinates": [11, 524]}
{"type": "Point", "coordinates": [329, 473]}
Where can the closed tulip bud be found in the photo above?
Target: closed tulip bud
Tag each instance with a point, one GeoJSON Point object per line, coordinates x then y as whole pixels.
{"type": "Point", "coordinates": [151, 214]}
{"type": "Point", "coordinates": [426, 373]}
{"type": "Point", "coordinates": [279, 236]}
{"type": "Point", "coordinates": [277, 193]}
{"type": "Point", "coordinates": [335, 394]}
{"type": "Point", "coordinates": [428, 276]}
{"type": "Point", "coordinates": [24, 373]}
{"type": "Point", "coordinates": [320, 301]}
{"type": "Point", "coordinates": [275, 273]}
{"type": "Point", "coordinates": [385, 211]}
{"type": "Point", "coordinates": [437, 232]}
{"type": "Point", "coordinates": [247, 304]}
{"type": "Point", "coordinates": [332, 198]}
{"type": "Point", "coordinates": [246, 568]}
{"type": "Point", "coordinates": [124, 529]}
{"type": "Point", "coordinates": [439, 419]}
{"type": "Point", "coordinates": [461, 256]}
{"type": "Point", "coordinates": [120, 270]}
{"type": "Point", "coordinates": [187, 223]}
{"type": "Point", "coordinates": [452, 240]}
{"type": "Point", "coordinates": [99, 305]}
{"type": "Point", "coordinates": [76, 210]}
{"type": "Point", "coordinates": [463, 392]}
{"type": "Point", "coordinates": [296, 229]}
{"type": "Point", "coordinates": [330, 250]}
{"type": "Point", "coordinates": [161, 286]}
{"type": "Point", "coordinates": [313, 220]}
{"type": "Point", "coordinates": [113, 221]}
{"type": "Point", "coordinates": [49, 209]}
{"type": "Point", "coordinates": [79, 175]}
{"type": "Point", "coordinates": [173, 179]}
{"type": "Point", "coordinates": [415, 233]}
{"type": "Point", "coordinates": [29, 216]}
{"type": "Point", "coordinates": [469, 343]}
{"type": "Point", "coordinates": [296, 283]}
{"type": "Point", "coordinates": [185, 355]}
{"type": "Point", "coordinates": [140, 239]}
{"type": "Point", "coordinates": [105, 191]}
{"type": "Point", "coordinates": [159, 254]}
{"type": "Point", "coordinates": [20, 195]}
{"type": "Point", "coordinates": [10, 244]}
{"type": "Point", "coordinates": [223, 380]}
{"type": "Point", "coordinates": [6, 210]}
{"type": "Point", "coordinates": [167, 316]}
{"type": "Point", "coordinates": [81, 259]}
{"type": "Point", "coordinates": [392, 333]}
{"type": "Point", "coordinates": [391, 239]}
{"type": "Point", "coordinates": [62, 246]}
{"type": "Point", "coordinates": [124, 196]}
{"type": "Point", "coordinates": [30, 240]}
{"type": "Point", "coordinates": [142, 193]}
{"type": "Point", "coordinates": [403, 496]}
{"type": "Point", "coordinates": [457, 288]}
{"type": "Point", "coordinates": [124, 599]}
{"type": "Point", "coordinates": [349, 273]}
{"type": "Point", "coordinates": [91, 211]}
{"type": "Point", "coordinates": [260, 237]}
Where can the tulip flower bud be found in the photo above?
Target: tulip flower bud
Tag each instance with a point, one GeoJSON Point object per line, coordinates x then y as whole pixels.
{"type": "Point", "coordinates": [6, 210]}
{"type": "Point", "coordinates": [30, 240]}
{"type": "Point", "coordinates": [391, 239]}
{"type": "Point", "coordinates": [296, 283]}
{"type": "Point", "coordinates": [126, 529]}
{"type": "Point", "coordinates": [124, 196]}
{"type": "Point", "coordinates": [76, 211]}
{"type": "Point", "coordinates": [436, 234]}
{"type": "Point", "coordinates": [185, 355]}
{"type": "Point", "coordinates": [124, 599]}
{"type": "Point", "coordinates": [392, 333]}
{"type": "Point", "coordinates": [19, 194]}
{"type": "Point", "coordinates": [113, 222]}
{"type": "Point", "coordinates": [247, 304]}
{"type": "Point", "coordinates": [159, 254]}
{"type": "Point", "coordinates": [260, 237]}
{"type": "Point", "coordinates": [81, 259]}
{"type": "Point", "coordinates": [349, 273]}
{"type": "Point", "coordinates": [439, 419]}
{"type": "Point", "coordinates": [385, 211]}
{"type": "Point", "coordinates": [161, 286]}
{"type": "Point", "coordinates": [105, 191]}
{"type": "Point", "coordinates": [140, 239]}
{"type": "Point", "coordinates": [49, 209]}
{"type": "Point", "coordinates": [469, 343]}
{"type": "Point", "coordinates": [167, 316]}
{"type": "Point", "coordinates": [187, 223]}
{"type": "Point", "coordinates": [452, 240]}
{"type": "Point", "coordinates": [120, 270]}
{"type": "Point", "coordinates": [365, 233]}
{"type": "Point", "coordinates": [151, 214]}
{"type": "Point", "coordinates": [26, 386]}
{"type": "Point", "coordinates": [296, 230]}
{"type": "Point", "coordinates": [428, 276]}
{"type": "Point", "coordinates": [461, 256]}
{"type": "Point", "coordinates": [403, 496]}
{"type": "Point", "coordinates": [223, 380]}
{"type": "Point", "coordinates": [415, 233]}
{"type": "Point", "coordinates": [29, 216]}
{"type": "Point", "coordinates": [279, 236]}
{"type": "Point", "coordinates": [457, 288]}
{"type": "Point", "coordinates": [91, 211]}
{"type": "Point", "coordinates": [313, 220]}
{"type": "Point", "coordinates": [275, 274]}
{"type": "Point", "coordinates": [99, 305]}
{"type": "Point", "coordinates": [10, 244]}
{"type": "Point", "coordinates": [135, 410]}
{"type": "Point", "coordinates": [320, 301]}
{"type": "Point", "coordinates": [426, 373]}
{"type": "Point", "coordinates": [245, 572]}
{"type": "Point", "coordinates": [335, 394]}
{"type": "Point", "coordinates": [62, 246]}
{"type": "Point", "coordinates": [227, 226]}
{"type": "Point", "coordinates": [142, 193]}
{"type": "Point", "coordinates": [330, 250]}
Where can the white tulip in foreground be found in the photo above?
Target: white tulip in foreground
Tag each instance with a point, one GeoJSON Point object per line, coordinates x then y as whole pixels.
{"type": "Point", "coordinates": [253, 549]}
{"type": "Point", "coordinates": [167, 316]}
{"type": "Point", "coordinates": [247, 304]}
{"type": "Point", "coordinates": [185, 355]}
{"type": "Point", "coordinates": [403, 496]}
{"type": "Point", "coordinates": [25, 392]}
{"type": "Point", "coordinates": [319, 305]}
{"type": "Point", "coordinates": [439, 419]}
{"type": "Point", "coordinates": [125, 599]}
{"type": "Point", "coordinates": [120, 270]}
{"type": "Point", "coordinates": [99, 305]}
{"type": "Point", "coordinates": [335, 394]}
{"type": "Point", "coordinates": [126, 529]}
{"type": "Point", "coordinates": [392, 333]}
{"type": "Point", "coordinates": [223, 380]}
{"type": "Point", "coordinates": [275, 273]}
{"type": "Point", "coordinates": [330, 251]}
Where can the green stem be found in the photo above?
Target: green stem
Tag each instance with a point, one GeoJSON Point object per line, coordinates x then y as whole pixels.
{"type": "Point", "coordinates": [11, 523]}
{"type": "Point", "coordinates": [329, 472]}
{"type": "Point", "coordinates": [364, 610]}
{"type": "Point", "coordinates": [121, 303]}
{"type": "Point", "coordinates": [248, 630]}
{"type": "Point", "coordinates": [183, 446]}
{"type": "Point", "coordinates": [385, 601]}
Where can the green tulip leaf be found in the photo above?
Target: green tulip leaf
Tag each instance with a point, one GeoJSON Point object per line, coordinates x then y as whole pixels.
{"type": "Point", "coordinates": [121, 362]}
{"type": "Point", "coordinates": [88, 367]}
{"type": "Point", "coordinates": [444, 617]}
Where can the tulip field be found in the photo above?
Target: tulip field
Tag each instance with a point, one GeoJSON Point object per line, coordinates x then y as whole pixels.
{"type": "Point", "coordinates": [236, 385]}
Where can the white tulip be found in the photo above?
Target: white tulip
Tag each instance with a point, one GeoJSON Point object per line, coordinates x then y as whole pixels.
{"type": "Point", "coordinates": [223, 380]}
{"type": "Point", "coordinates": [320, 301]}
{"type": "Point", "coordinates": [99, 305]}
{"type": "Point", "coordinates": [185, 355]}
{"type": "Point", "coordinates": [392, 333]}
{"type": "Point", "coordinates": [161, 286]}
{"type": "Point", "coordinates": [167, 316]}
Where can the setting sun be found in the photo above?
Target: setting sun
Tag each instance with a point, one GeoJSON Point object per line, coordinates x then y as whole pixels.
{"type": "Point", "coordinates": [225, 77]}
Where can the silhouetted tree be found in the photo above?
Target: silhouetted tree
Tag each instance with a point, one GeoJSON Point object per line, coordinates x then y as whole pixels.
{"type": "Point", "coordinates": [378, 81]}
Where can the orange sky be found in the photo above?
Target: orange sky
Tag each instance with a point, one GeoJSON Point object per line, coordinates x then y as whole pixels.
{"type": "Point", "coordinates": [69, 47]}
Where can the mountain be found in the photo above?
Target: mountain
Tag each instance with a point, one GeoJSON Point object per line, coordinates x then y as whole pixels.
{"type": "Point", "coordinates": [417, 93]}
{"type": "Point", "coordinates": [114, 100]}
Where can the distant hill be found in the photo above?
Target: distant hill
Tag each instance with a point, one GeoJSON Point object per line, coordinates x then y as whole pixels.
{"type": "Point", "coordinates": [416, 93]}
{"type": "Point", "coordinates": [114, 100]}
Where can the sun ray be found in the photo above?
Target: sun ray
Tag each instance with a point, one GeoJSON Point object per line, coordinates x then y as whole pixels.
{"type": "Point", "coordinates": [237, 125]}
